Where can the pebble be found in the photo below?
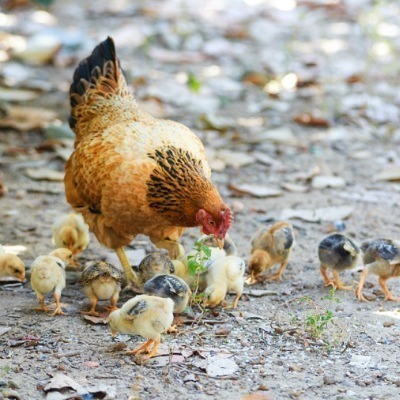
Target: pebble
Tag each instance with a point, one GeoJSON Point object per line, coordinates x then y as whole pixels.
{"type": "Point", "coordinates": [393, 379]}
{"type": "Point", "coordinates": [388, 324]}
{"type": "Point", "coordinates": [330, 380]}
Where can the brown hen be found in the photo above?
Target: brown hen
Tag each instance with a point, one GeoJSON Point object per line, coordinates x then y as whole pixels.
{"type": "Point", "coordinates": [131, 173]}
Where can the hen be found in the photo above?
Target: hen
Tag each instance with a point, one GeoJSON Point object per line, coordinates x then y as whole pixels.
{"type": "Point", "coordinates": [131, 173]}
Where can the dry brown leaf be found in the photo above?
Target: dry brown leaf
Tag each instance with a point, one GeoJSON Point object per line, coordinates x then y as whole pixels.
{"type": "Point", "coordinates": [44, 174]}
{"type": "Point", "coordinates": [311, 120]}
{"type": "Point", "coordinates": [255, 190]}
{"type": "Point", "coordinates": [27, 118]}
{"type": "Point", "coordinates": [96, 320]}
{"type": "Point", "coordinates": [61, 381]}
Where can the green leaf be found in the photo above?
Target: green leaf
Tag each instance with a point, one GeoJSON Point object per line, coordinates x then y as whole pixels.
{"type": "Point", "coordinates": [193, 83]}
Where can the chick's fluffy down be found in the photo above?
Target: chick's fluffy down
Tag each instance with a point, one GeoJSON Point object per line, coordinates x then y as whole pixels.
{"type": "Point", "coordinates": [48, 273]}
{"type": "Point", "coordinates": [147, 316]}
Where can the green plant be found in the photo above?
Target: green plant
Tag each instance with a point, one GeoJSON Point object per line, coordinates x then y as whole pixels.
{"type": "Point", "coordinates": [193, 83]}
{"type": "Point", "coordinates": [196, 262]}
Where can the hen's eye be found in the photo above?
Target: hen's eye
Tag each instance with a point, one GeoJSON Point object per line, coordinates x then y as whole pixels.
{"type": "Point", "coordinates": [211, 222]}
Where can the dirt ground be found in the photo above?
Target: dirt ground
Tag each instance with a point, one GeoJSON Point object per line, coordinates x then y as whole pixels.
{"type": "Point", "coordinates": [281, 93]}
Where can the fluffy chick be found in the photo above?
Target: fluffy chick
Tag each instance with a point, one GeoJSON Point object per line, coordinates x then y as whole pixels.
{"type": "Point", "coordinates": [169, 286]}
{"type": "Point", "coordinates": [147, 316]}
{"type": "Point", "coordinates": [152, 265]}
{"type": "Point", "coordinates": [101, 281]}
{"type": "Point", "coordinates": [72, 232]}
{"type": "Point", "coordinates": [11, 266]}
{"type": "Point", "coordinates": [337, 253]}
{"type": "Point", "coordinates": [380, 257]}
{"type": "Point", "coordinates": [225, 274]}
{"type": "Point", "coordinates": [65, 255]}
{"type": "Point", "coordinates": [270, 245]}
{"type": "Point", "coordinates": [229, 246]}
{"type": "Point", "coordinates": [47, 274]}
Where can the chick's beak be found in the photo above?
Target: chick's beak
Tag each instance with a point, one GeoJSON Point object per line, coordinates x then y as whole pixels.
{"type": "Point", "coordinates": [113, 333]}
{"type": "Point", "coordinates": [220, 243]}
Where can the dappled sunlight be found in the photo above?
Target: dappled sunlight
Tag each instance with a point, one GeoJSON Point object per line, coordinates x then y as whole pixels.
{"type": "Point", "coordinates": [393, 314]}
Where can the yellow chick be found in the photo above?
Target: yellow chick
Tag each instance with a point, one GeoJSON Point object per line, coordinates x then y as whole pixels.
{"type": "Point", "coordinates": [152, 265]}
{"type": "Point", "coordinates": [11, 266]}
{"type": "Point", "coordinates": [380, 257]}
{"type": "Point", "coordinates": [225, 274]}
{"type": "Point", "coordinates": [101, 281]}
{"type": "Point", "coordinates": [72, 232]}
{"type": "Point", "coordinates": [337, 253]}
{"type": "Point", "coordinates": [65, 255]}
{"type": "Point", "coordinates": [270, 245]}
{"type": "Point", "coordinates": [48, 274]}
{"type": "Point", "coordinates": [147, 316]}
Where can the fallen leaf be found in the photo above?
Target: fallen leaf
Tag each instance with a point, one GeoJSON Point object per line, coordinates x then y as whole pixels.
{"type": "Point", "coordinates": [27, 118]}
{"type": "Point", "coordinates": [295, 187]}
{"type": "Point", "coordinates": [96, 320]}
{"type": "Point", "coordinates": [388, 174]}
{"type": "Point", "coordinates": [327, 181]}
{"type": "Point", "coordinates": [90, 364]}
{"type": "Point", "coordinates": [219, 366]}
{"type": "Point", "coordinates": [4, 329]}
{"type": "Point", "coordinates": [255, 190]}
{"type": "Point", "coordinates": [319, 214]}
{"type": "Point", "coordinates": [61, 381]}
{"type": "Point", "coordinates": [310, 120]}
{"type": "Point", "coordinates": [43, 174]}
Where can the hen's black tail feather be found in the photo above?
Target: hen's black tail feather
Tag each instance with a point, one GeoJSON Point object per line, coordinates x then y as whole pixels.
{"type": "Point", "coordinates": [87, 71]}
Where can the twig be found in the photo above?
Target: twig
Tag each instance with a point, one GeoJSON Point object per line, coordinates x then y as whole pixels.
{"type": "Point", "coordinates": [69, 354]}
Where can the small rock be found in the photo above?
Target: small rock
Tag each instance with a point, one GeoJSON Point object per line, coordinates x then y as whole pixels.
{"type": "Point", "coordinates": [223, 330]}
{"type": "Point", "coordinates": [360, 361]}
{"type": "Point", "coordinates": [190, 378]}
{"type": "Point", "coordinates": [326, 181]}
{"type": "Point", "coordinates": [295, 368]}
{"type": "Point", "coordinates": [263, 387]}
{"type": "Point", "coordinates": [393, 379]}
{"type": "Point", "coordinates": [330, 380]}
{"type": "Point", "coordinates": [388, 324]}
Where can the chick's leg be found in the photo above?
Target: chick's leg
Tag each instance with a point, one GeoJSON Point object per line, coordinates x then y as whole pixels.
{"type": "Point", "coordinates": [278, 275]}
{"type": "Point", "coordinates": [328, 281]}
{"type": "Point", "coordinates": [92, 311]}
{"type": "Point", "coordinates": [338, 283]}
{"type": "Point", "coordinates": [113, 302]}
{"type": "Point", "coordinates": [360, 286]}
{"type": "Point", "coordinates": [144, 348]}
{"type": "Point", "coordinates": [42, 307]}
{"type": "Point", "coordinates": [58, 310]}
{"type": "Point", "coordinates": [389, 296]}
{"type": "Point", "coordinates": [153, 351]}
{"type": "Point", "coordinates": [130, 275]}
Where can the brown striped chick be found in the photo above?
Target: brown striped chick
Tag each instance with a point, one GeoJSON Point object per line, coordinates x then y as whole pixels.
{"type": "Point", "coordinates": [225, 274]}
{"type": "Point", "coordinates": [169, 286]}
{"type": "Point", "coordinates": [11, 266]}
{"type": "Point", "coordinates": [381, 257]}
{"type": "Point", "coordinates": [72, 232]}
{"type": "Point", "coordinates": [270, 245]}
{"type": "Point", "coordinates": [152, 265]}
{"type": "Point", "coordinates": [48, 274]}
{"type": "Point", "coordinates": [229, 245]}
{"type": "Point", "coordinates": [147, 316]}
{"type": "Point", "coordinates": [101, 281]}
{"type": "Point", "coordinates": [337, 253]}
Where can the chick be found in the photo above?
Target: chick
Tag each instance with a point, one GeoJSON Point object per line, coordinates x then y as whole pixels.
{"type": "Point", "coordinates": [72, 232]}
{"type": "Point", "coordinates": [229, 246]}
{"type": "Point", "coordinates": [147, 316]}
{"type": "Point", "coordinates": [380, 257]}
{"type": "Point", "coordinates": [337, 253]}
{"type": "Point", "coordinates": [154, 264]}
{"type": "Point", "coordinates": [65, 255]}
{"type": "Point", "coordinates": [225, 274]}
{"type": "Point", "coordinates": [101, 281]}
{"type": "Point", "coordinates": [47, 274]}
{"type": "Point", "coordinates": [169, 286]}
{"type": "Point", "coordinates": [11, 266]}
{"type": "Point", "coordinates": [270, 245]}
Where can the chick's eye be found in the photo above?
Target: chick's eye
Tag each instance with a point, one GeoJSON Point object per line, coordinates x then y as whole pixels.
{"type": "Point", "coordinates": [16, 270]}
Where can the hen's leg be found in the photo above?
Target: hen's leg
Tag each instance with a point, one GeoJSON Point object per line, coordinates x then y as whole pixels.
{"type": "Point", "coordinates": [389, 296]}
{"type": "Point", "coordinates": [338, 283]}
{"type": "Point", "coordinates": [58, 310]}
{"type": "Point", "coordinates": [42, 307]}
{"type": "Point", "coordinates": [131, 277]}
{"type": "Point", "coordinates": [174, 248]}
{"type": "Point", "coordinates": [360, 286]}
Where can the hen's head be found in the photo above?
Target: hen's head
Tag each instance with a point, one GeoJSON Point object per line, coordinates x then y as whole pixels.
{"type": "Point", "coordinates": [215, 223]}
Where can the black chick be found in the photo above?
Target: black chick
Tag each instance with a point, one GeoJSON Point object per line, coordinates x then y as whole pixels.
{"type": "Point", "coordinates": [337, 253]}
{"type": "Point", "coordinates": [169, 286]}
{"type": "Point", "coordinates": [380, 257]}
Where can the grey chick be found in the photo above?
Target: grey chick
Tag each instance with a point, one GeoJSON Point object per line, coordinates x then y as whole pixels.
{"type": "Point", "coordinates": [380, 257]}
{"type": "Point", "coordinates": [101, 281]}
{"type": "Point", "coordinates": [154, 264]}
{"type": "Point", "coordinates": [169, 286]}
{"type": "Point", "coordinates": [229, 246]}
{"type": "Point", "coordinates": [337, 253]}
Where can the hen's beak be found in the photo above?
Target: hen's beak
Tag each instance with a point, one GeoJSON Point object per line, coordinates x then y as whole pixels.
{"type": "Point", "coordinates": [220, 243]}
